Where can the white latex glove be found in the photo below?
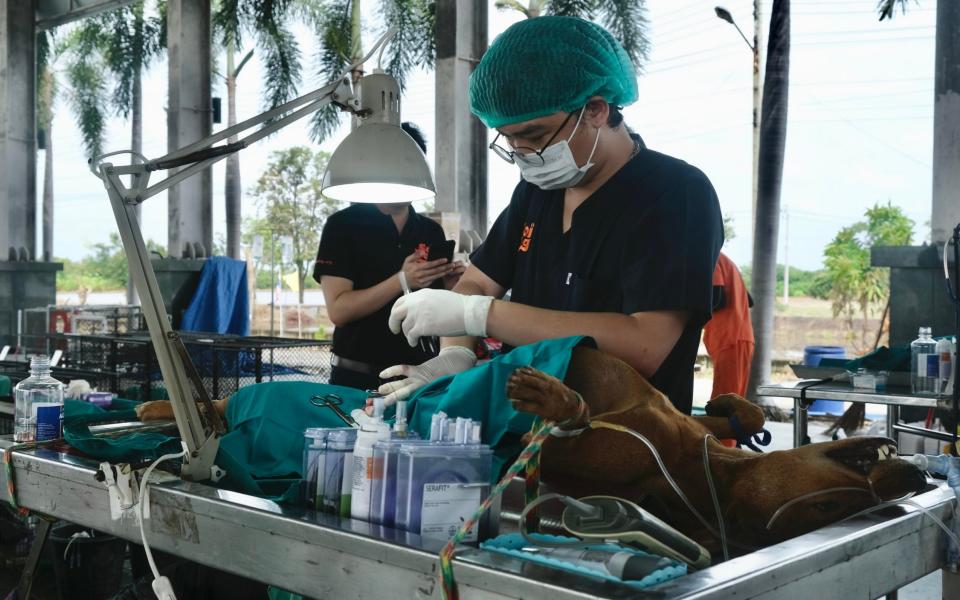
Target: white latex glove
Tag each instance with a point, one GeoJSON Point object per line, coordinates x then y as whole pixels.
{"type": "Point", "coordinates": [451, 360]}
{"type": "Point", "coordinates": [439, 312]}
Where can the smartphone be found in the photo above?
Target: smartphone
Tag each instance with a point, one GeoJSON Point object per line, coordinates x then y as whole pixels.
{"type": "Point", "coordinates": [444, 250]}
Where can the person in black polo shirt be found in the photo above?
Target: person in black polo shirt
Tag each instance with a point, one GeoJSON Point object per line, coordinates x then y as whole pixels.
{"type": "Point", "coordinates": [602, 237]}
{"type": "Point", "coordinates": [363, 250]}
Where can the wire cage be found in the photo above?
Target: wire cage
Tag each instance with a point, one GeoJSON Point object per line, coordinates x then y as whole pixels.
{"type": "Point", "coordinates": [36, 324]}
{"type": "Point", "coordinates": [126, 364]}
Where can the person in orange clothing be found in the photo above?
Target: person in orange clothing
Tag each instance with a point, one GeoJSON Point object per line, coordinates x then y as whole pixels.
{"type": "Point", "coordinates": [728, 335]}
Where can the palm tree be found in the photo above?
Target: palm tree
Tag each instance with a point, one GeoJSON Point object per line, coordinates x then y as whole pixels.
{"type": "Point", "coordinates": [625, 19]}
{"type": "Point", "coordinates": [773, 133]}
{"type": "Point", "coordinates": [267, 22]}
{"type": "Point", "coordinates": [113, 49]}
{"type": "Point", "coordinates": [886, 8]}
{"type": "Point", "coordinates": [337, 24]}
{"type": "Point", "coordinates": [338, 27]}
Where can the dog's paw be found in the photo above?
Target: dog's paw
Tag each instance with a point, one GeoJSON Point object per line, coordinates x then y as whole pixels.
{"type": "Point", "coordinates": [533, 391]}
{"type": "Point", "coordinates": [156, 410]}
{"type": "Point", "coordinates": [749, 415]}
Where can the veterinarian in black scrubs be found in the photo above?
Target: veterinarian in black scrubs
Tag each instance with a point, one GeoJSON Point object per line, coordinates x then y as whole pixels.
{"type": "Point", "coordinates": [363, 250]}
{"type": "Point", "coordinates": [602, 237]}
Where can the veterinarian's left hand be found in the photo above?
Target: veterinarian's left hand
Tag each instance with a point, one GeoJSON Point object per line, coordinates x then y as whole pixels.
{"type": "Point", "coordinates": [450, 361]}
{"type": "Point", "coordinates": [439, 312]}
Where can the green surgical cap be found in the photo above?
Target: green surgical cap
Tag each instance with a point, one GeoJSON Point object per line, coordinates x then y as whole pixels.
{"type": "Point", "coordinates": [545, 65]}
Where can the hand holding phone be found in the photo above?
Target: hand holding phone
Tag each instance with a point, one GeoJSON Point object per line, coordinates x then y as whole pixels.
{"type": "Point", "coordinates": [442, 250]}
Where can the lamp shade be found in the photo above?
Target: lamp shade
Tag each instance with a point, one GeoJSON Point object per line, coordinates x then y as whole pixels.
{"type": "Point", "coordinates": [378, 163]}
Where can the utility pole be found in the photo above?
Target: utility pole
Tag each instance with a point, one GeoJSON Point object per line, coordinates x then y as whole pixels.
{"type": "Point", "coordinates": [757, 100]}
{"type": "Point", "coordinates": [755, 48]}
{"type": "Point", "coordinates": [786, 255]}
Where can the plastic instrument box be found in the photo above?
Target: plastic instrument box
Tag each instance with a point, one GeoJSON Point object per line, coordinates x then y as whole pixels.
{"type": "Point", "coordinates": [439, 485]}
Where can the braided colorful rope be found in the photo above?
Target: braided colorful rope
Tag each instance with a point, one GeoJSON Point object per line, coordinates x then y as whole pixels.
{"type": "Point", "coordinates": [448, 586]}
{"type": "Point", "coordinates": [531, 490]}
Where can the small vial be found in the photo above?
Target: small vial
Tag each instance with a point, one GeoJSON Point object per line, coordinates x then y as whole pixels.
{"type": "Point", "coordinates": [460, 436]}
{"type": "Point", "coordinates": [435, 422]}
{"type": "Point", "coordinates": [400, 423]}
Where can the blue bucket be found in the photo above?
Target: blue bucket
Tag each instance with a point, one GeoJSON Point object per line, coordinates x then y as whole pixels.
{"type": "Point", "coordinates": [812, 355]}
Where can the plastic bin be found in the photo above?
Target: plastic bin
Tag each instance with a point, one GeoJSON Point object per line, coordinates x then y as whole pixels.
{"type": "Point", "coordinates": [812, 355]}
{"type": "Point", "coordinates": [439, 485]}
{"type": "Point", "coordinates": [86, 568]}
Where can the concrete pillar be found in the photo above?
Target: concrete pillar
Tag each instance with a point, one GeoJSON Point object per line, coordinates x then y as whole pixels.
{"type": "Point", "coordinates": [18, 146]}
{"type": "Point", "coordinates": [188, 120]}
{"type": "Point", "coordinates": [946, 123]}
{"type": "Point", "coordinates": [461, 138]}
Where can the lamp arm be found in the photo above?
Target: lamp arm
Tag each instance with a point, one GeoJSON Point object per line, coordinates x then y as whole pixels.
{"type": "Point", "coordinates": [201, 154]}
{"type": "Point", "coordinates": [199, 431]}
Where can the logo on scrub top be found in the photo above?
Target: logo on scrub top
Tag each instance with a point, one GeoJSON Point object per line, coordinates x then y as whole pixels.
{"type": "Point", "coordinates": [526, 237]}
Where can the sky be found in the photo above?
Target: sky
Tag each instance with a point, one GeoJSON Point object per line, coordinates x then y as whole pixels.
{"type": "Point", "coordinates": [860, 128]}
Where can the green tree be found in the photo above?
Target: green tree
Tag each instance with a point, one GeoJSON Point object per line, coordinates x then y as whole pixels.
{"type": "Point", "coordinates": [625, 19]}
{"type": "Point", "coordinates": [104, 269]}
{"type": "Point", "coordinates": [288, 193]}
{"type": "Point", "coordinates": [855, 287]}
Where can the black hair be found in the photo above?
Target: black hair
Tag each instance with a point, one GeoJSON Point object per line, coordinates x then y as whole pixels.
{"type": "Point", "coordinates": [615, 118]}
{"type": "Point", "coordinates": [417, 135]}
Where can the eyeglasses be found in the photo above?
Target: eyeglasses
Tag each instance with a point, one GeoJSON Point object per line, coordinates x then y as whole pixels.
{"type": "Point", "coordinates": [527, 155]}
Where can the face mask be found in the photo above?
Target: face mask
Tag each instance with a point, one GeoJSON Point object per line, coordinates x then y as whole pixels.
{"type": "Point", "coordinates": [559, 169]}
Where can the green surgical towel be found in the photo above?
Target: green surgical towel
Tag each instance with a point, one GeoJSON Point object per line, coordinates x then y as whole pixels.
{"type": "Point", "coordinates": [263, 451]}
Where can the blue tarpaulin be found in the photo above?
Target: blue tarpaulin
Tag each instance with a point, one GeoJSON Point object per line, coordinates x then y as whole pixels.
{"type": "Point", "coordinates": [221, 303]}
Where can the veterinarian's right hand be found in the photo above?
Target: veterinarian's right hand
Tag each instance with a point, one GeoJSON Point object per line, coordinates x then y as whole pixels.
{"type": "Point", "coordinates": [450, 361]}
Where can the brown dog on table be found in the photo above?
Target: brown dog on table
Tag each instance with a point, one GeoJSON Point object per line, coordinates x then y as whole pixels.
{"type": "Point", "coordinates": [751, 487]}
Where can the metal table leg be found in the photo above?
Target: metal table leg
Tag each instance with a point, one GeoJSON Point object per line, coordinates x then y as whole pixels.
{"type": "Point", "coordinates": [893, 415]}
{"type": "Point", "coordinates": [799, 424]}
{"type": "Point", "coordinates": [41, 534]}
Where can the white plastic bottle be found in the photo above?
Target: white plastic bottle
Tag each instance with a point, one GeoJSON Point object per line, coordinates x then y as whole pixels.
{"type": "Point", "coordinates": [924, 364]}
{"type": "Point", "coordinates": [372, 430]}
{"type": "Point", "coordinates": [39, 404]}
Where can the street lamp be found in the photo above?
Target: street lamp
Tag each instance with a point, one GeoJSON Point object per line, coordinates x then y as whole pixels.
{"type": "Point", "coordinates": [725, 15]}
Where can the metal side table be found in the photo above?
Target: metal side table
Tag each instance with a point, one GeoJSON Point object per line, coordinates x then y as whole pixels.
{"type": "Point", "coordinates": [892, 397]}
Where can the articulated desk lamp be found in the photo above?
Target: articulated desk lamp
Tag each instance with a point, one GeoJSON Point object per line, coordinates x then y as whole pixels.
{"type": "Point", "coordinates": [377, 162]}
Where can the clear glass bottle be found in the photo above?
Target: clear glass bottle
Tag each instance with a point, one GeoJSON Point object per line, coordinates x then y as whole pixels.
{"type": "Point", "coordinates": [924, 364]}
{"type": "Point", "coordinates": [39, 404]}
